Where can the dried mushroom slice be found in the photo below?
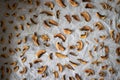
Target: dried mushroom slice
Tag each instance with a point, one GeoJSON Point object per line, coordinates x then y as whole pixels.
{"type": "Point", "coordinates": [89, 5]}
{"type": "Point", "coordinates": [78, 77]}
{"type": "Point", "coordinates": [86, 28]}
{"type": "Point", "coordinates": [99, 25]}
{"type": "Point", "coordinates": [48, 13]}
{"type": "Point", "coordinates": [89, 72]}
{"type": "Point", "coordinates": [118, 51]}
{"type": "Point", "coordinates": [60, 67]}
{"type": "Point", "coordinates": [68, 18]}
{"type": "Point", "coordinates": [59, 46]}
{"type": "Point", "coordinates": [56, 74]}
{"type": "Point", "coordinates": [53, 22]}
{"type": "Point", "coordinates": [67, 31]}
{"type": "Point", "coordinates": [59, 55]}
{"type": "Point", "coordinates": [60, 3]}
{"type": "Point", "coordinates": [80, 45]}
{"type": "Point", "coordinates": [49, 4]}
{"type": "Point", "coordinates": [61, 36]}
{"type": "Point", "coordinates": [73, 3]}
{"type": "Point", "coordinates": [100, 16]}
{"type": "Point", "coordinates": [42, 69]}
{"type": "Point", "coordinates": [76, 17]}
{"type": "Point", "coordinates": [40, 53]}
{"type": "Point", "coordinates": [86, 16]}
{"type": "Point", "coordinates": [35, 39]}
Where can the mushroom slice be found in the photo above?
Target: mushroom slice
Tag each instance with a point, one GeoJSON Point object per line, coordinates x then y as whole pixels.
{"type": "Point", "coordinates": [60, 3]}
{"type": "Point", "coordinates": [89, 72]}
{"type": "Point", "coordinates": [53, 22]}
{"type": "Point", "coordinates": [86, 16]}
{"type": "Point", "coordinates": [112, 34]}
{"type": "Point", "coordinates": [37, 61]}
{"type": "Point", "coordinates": [118, 51]}
{"type": "Point", "coordinates": [42, 69]}
{"type": "Point", "coordinates": [68, 18]}
{"type": "Point", "coordinates": [48, 13]}
{"type": "Point", "coordinates": [77, 76]}
{"type": "Point", "coordinates": [73, 3]}
{"type": "Point", "coordinates": [84, 35]}
{"type": "Point", "coordinates": [74, 64]}
{"type": "Point", "coordinates": [68, 66]}
{"type": "Point", "coordinates": [80, 45]}
{"type": "Point", "coordinates": [46, 24]}
{"type": "Point", "coordinates": [35, 39]}
{"type": "Point", "coordinates": [90, 54]}
{"type": "Point", "coordinates": [59, 46]}
{"type": "Point", "coordinates": [60, 67]}
{"type": "Point", "coordinates": [67, 31]}
{"type": "Point", "coordinates": [24, 59]}
{"type": "Point", "coordinates": [24, 70]}
{"type": "Point", "coordinates": [82, 61]}
{"type": "Point", "coordinates": [56, 74]}
{"type": "Point", "coordinates": [99, 25]}
{"type": "Point", "coordinates": [59, 55]}
{"type": "Point", "coordinates": [40, 53]}
{"type": "Point", "coordinates": [49, 4]}
{"type": "Point", "coordinates": [89, 5]}
{"type": "Point", "coordinates": [100, 16]}
{"type": "Point", "coordinates": [86, 28]}
{"type": "Point", "coordinates": [61, 36]}
{"type": "Point", "coordinates": [76, 17]}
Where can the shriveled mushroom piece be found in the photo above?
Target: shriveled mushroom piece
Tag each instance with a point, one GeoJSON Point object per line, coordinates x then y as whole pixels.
{"type": "Point", "coordinates": [49, 4]}
{"type": "Point", "coordinates": [35, 39]}
{"type": "Point", "coordinates": [86, 28]}
{"type": "Point", "coordinates": [59, 55]}
{"type": "Point", "coordinates": [40, 53]}
{"type": "Point", "coordinates": [73, 3]}
{"type": "Point", "coordinates": [61, 36]}
{"type": "Point", "coordinates": [42, 69]}
{"type": "Point", "coordinates": [99, 25]}
{"type": "Point", "coordinates": [48, 13]}
{"type": "Point", "coordinates": [80, 45]}
{"type": "Point", "coordinates": [100, 16]}
{"type": "Point", "coordinates": [59, 46]}
{"type": "Point", "coordinates": [60, 3]}
{"type": "Point", "coordinates": [86, 16]}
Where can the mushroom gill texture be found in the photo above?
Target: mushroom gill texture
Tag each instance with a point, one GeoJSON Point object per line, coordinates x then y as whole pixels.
{"type": "Point", "coordinates": [60, 40]}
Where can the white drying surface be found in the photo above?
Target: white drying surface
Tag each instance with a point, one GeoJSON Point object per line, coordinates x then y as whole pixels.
{"type": "Point", "coordinates": [71, 39]}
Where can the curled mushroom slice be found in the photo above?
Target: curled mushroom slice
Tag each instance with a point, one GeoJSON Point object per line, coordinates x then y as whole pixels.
{"type": "Point", "coordinates": [68, 18]}
{"type": "Point", "coordinates": [100, 16]}
{"type": "Point", "coordinates": [111, 34]}
{"type": "Point", "coordinates": [118, 51]}
{"type": "Point", "coordinates": [49, 4]}
{"type": "Point", "coordinates": [99, 25]}
{"type": "Point", "coordinates": [84, 35]}
{"type": "Point", "coordinates": [77, 76]}
{"type": "Point", "coordinates": [60, 3]}
{"type": "Point", "coordinates": [42, 69]}
{"type": "Point", "coordinates": [76, 17]}
{"type": "Point", "coordinates": [35, 39]}
{"type": "Point", "coordinates": [61, 36]}
{"type": "Point", "coordinates": [60, 67]}
{"type": "Point", "coordinates": [24, 70]}
{"type": "Point", "coordinates": [89, 72]}
{"type": "Point", "coordinates": [59, 55]}
{"type": "Point", "coordinates": [46, 24]}
{"type": "Point", "coordinates": [48, 13]}
{"type": "Point", "coordinates": [73, 3]}
{"type": "Point", "coordinates": [53, 22]}
{"type": "Point", "coordinates": [40, 53]}
{"type": "Point", "coordinates": [89, 5]}
{"type": "Point", "coordinates": [56, 74]}
{"type": "Point", "coordinates": [82, 61]}
{"type": "Point", "coordinates": [67, 31]}
{"type": "Point", "coordinates": [59, 46]}
{"type": "Point", "coordinates": [86, 28]}
{"type": "Point", "coordinates": [80, 45]}
{"type": "Point", "coordinates": [86, 16]}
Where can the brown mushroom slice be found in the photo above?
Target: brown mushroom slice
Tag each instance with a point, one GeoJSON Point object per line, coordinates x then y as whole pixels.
{"type": "Point", "coordinates": [40, 53]}
{"type": "Point", "coordinates": [68, 18]}
{"type": "Point", "coordinates": [23, 59]}
{"type": "Point", "coordinates": [49, 4]}
{"type": "Point", "coordinates": [59, 55]}
{"type": "Point", "coordinates": [86, 28]}
{"type": "Point", "coordinates": [60, 67]}
{"type": "Point", "coordinates": [86, 16]}
{"type": "Point", "coordinates": [35, 39]}
{"type": "Point", "coordinates": [53, 22]}
{"type": "Point", "coordinates": [73, 3]}
{"type": "Point", "coordinates": [100, 16]}
{"type": "Point", "coordinates": [89, 5]}
{"type": "Point", "coordinates": [60, 3]}
{"type": "Point", "coordinates": [48, 13]}
{"type": "Point", "coordinates": [42, 69]}
{"type": "Point", "coordinates": [76, 17]}
{"type": "Point", "coordinates": [67, 31]}
{"type": "Point", "coordinates": [82, 61]}
{"type": "Point", "coordinates": [99, 25]}
{"type": "Point", "coordinates": [56, 74]}
{"type": "Point", "coordinates": [77, 76]}
{"type": "Point", "coordinates": [80, 45]}
{"type": "Point", "coordinates": [50, 56]}
{"type": "Point", "coordinates": [61, 36]}
{"type": "Point", "coordinates": [89, 72]}
{"type": "Point", "coordinates": [59, 46]}
{"type": "Point", "coordinates": [118, 51]}
{"type": "Point", "coordinates": [46, 24]}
